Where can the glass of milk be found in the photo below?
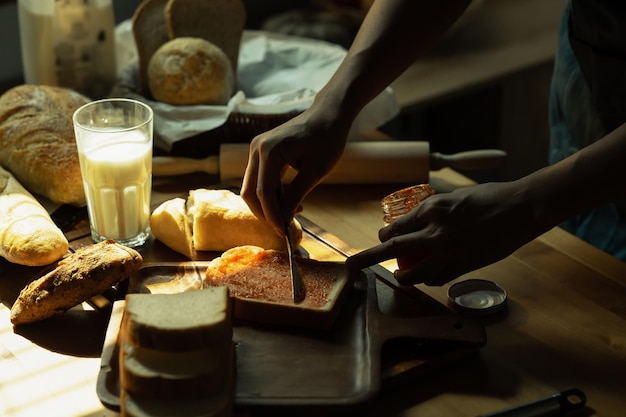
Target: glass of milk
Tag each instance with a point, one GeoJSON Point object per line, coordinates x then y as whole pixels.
{"type": "Point", "coordinates": [114, 140]}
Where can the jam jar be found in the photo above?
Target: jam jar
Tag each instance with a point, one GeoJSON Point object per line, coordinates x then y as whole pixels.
{"type": "Point", "coordinates": [398, 204]}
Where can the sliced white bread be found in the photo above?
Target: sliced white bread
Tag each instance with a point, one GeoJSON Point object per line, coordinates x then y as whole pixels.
{"type": "Point", "coordinates": [194, 374]}
{"type": "Point", "coordinates": [187, 321]}
{"type": "Point", "coordinates": [218, 405]}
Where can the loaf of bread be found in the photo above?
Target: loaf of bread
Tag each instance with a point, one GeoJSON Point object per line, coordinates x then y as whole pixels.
{"type": "Point", "coordinates": [78, 277]}
{"type": "Point", "coordinates": [177, 355]}
{"type": "Point", "coordinates": [188, 71]}
{"type": "Point", "coordinates": [218, 220]}
{"type": "Point", "coordinates": [260, 282]}
{"type": "Point", "coordinates": [37, 142]}
{"type": "Point", "coordinates": [29, 236]}
{"type": "Point", "coordinates": [188, 66]}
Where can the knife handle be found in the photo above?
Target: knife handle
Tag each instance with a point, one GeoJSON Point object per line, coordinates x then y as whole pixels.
{"type": "Point", "coordinates": [554, 405]}
{"type": "Point", "coordinates": [172, 165]}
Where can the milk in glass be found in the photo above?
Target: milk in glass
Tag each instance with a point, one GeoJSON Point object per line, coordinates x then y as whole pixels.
{"type": "Point", "coordinates": [117, 175]}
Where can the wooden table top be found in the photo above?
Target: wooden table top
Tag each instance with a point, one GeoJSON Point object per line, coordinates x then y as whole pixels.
{"type": "Point", "coordinates": [564, 327]}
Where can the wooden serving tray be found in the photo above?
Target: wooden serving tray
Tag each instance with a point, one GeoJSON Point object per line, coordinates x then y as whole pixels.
{"type": "Point", "coordinates": [285, 368]}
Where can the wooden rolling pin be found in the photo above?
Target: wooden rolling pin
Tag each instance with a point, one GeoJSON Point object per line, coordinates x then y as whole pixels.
{"type": "Point", "coordinates": [367, 162]}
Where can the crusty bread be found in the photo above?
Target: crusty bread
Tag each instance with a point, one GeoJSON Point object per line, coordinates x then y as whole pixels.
{"type": "Point", "coordinates": [191, 320]}
{"type": "Point", "coordinates": [29, 236]}
{"type": "Point", "coordinates": [170, 224]}
{"type": "Point", "coordinates": [260, 282]}
{"type": "Point", "coordinates": [84, 274]}
{"type": "Point", "coordinates": [188, 71]}
{"type": "Point", "coordinates": [222, 220]}
{"type": "Point", "coordinates": [37, 142]}
{"type": "Point", "coordinates": [220, 22]}
{"type": "Point", "coordinates": [149, 32]}
{"type": "Point", "coordinates": [214, 220]}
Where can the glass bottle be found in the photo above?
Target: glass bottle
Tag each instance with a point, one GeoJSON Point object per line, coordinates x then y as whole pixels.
{"type": "Point", "coordinates": [69, 43]}
{"type": "Point", "coordinates": [398, 204]}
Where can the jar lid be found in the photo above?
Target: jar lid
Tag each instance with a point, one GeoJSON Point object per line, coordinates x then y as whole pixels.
{"type": "Point", "coordinates": [477, 296]}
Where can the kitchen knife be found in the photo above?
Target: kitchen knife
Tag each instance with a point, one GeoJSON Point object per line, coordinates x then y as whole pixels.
{"type": "Point", "coordinates": [366, 162]}
{"type": "Point", "coordinates": [296, 279]}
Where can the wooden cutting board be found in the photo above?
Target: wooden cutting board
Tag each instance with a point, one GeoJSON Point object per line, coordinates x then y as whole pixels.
{"type": "Point", "coordinates": [383, 336]}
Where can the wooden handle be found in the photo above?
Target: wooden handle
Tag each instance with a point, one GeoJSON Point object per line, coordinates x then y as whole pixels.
{"type": "Point", "coordinates": [377, 162]}
{"type": "Point", "coordinates": [172, 165]}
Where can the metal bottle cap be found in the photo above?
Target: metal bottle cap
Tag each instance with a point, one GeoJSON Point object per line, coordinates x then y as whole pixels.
{"type": "Point", "coordinates": [477, 296]}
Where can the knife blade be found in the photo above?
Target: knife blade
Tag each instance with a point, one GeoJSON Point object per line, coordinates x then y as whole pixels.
{"type": "Point", "coordinates": [297, 285]}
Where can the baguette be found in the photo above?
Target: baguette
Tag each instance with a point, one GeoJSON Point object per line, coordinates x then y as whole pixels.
{"type": "Point", "coordinates": [37, 143]}
{"type": "Point", "coordinates": [78, 277]}
{"type": "Point", "coordinates": [29, 236]}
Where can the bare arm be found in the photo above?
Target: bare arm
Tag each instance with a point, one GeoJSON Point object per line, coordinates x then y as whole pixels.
{"type": "Point", "coordinates": [471, 227]}
{"type": "Point", "coordinates": [393, 35]}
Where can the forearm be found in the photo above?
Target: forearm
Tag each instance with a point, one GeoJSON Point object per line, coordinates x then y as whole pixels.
{"type": "Point", "coordinates": [593, 176]}
{"type": "Point", "coordinates": [393, 35]}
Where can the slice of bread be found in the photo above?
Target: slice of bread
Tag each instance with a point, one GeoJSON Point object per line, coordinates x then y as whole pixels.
{"type": "Point", "coordinates": [150, 33]}
{"type": "Point", "coordinates": [173, 375]}
{"type": "Point", "coordinates": [177, 356]}
{"type": "Point", "coordinates": [220, 22]}
{"type": "Point", "coordinates": [218, 405]}
{"type": "Point", "coordinates": [192, 320]}
{"type": "Point", "coordinates": [260, 282]}
{"type": "Point", "coordinates": [78, 277]}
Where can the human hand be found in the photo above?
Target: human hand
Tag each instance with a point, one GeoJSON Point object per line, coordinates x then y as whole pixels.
{"type": "Point", "coordinates": [454, 233]}
{"type": "Point", "coordinates": [310, 143]}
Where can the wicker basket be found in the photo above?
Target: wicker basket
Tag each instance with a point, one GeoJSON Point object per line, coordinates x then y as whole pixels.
{"type": "Point", "coordinates": [239, 128]}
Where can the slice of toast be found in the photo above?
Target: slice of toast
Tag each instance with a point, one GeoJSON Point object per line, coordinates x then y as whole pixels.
{"type": "Point", "coordinates": [260, 282]}
{"type": "Point", "coordinates": [220, 22]}
{"type": "Point", "coordinates": [150, 32]}
{"type": "Point", "coordinates": [78, 277]}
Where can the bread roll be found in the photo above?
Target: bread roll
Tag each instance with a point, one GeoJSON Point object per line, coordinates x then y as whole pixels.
{"type": "Point", "coordinates": [187, 71]}
{"type": "Point", "coordinates": [37, 142]}
{"type": "Point", "coordinates": [214, 220]}
{"type": "Point", "coordinates": [170, 224]}
{"type": "Point", "coordinates": [222, 220]}
{"type": "Point", "coordinates": [260, 282]}
{"type": "Point", "coordinates": [29, 236]}
{"type": "Point", "coordinates": [84, 274]}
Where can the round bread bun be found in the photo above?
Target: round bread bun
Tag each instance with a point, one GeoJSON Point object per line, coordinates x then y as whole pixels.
{"type": "Point", "coordinates": [187, 71]}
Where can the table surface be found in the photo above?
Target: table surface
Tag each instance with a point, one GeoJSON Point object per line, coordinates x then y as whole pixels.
{"type": "Point", "coordinates": [565, 326]}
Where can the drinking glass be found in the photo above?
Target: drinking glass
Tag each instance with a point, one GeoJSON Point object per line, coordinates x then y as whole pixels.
{"type": "Point", "coordinates": [114, 139]}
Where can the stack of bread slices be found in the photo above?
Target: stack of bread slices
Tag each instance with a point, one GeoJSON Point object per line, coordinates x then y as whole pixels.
{"type": "Point", "coordinates": [177, 355]}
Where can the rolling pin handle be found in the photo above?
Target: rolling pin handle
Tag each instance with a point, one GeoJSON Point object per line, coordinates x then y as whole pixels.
{"type": "Point", "coordinates": [471, 160]}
